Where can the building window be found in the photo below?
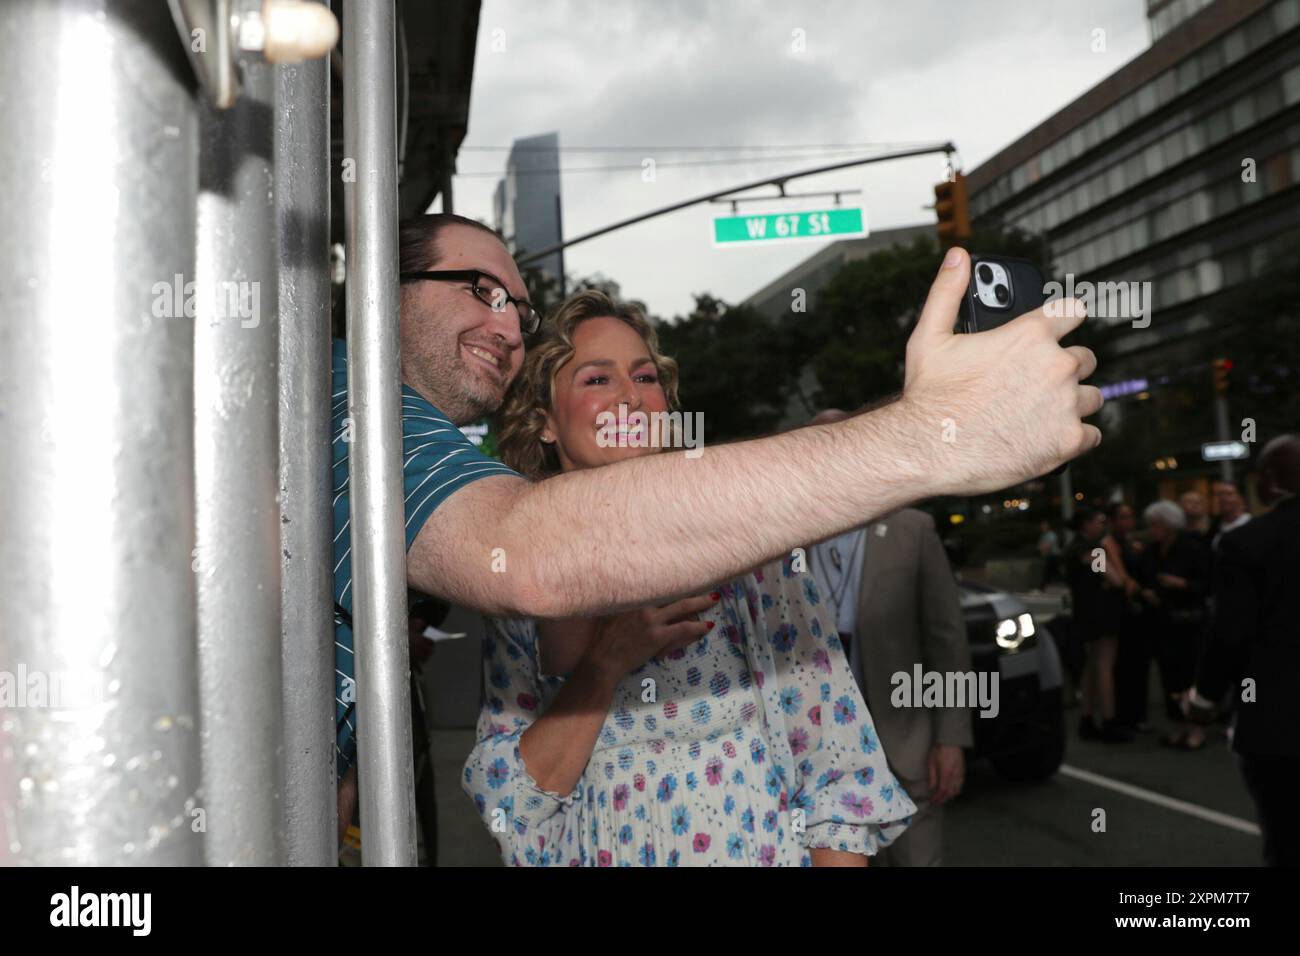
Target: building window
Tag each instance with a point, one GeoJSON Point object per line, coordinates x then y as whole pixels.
{"type": "Point", "coordinates": [1286, 14]}
{"type": "Point", "coordinates": [1146, 99]}
{"type": "Point", "coordinates": [1234, 46]}
{"type": "Point", "coordinates": [1209, 276]}
{"type": "Point", "coordinates": [1291, 85]}
{"type": "Point", "coordinates": [1110, 122]}
{"type": "Point", "coordinates": [1243, 114]}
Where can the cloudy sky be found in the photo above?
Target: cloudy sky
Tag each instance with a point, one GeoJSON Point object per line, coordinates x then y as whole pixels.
{"type": "Point", "coordinates": [708, 73]}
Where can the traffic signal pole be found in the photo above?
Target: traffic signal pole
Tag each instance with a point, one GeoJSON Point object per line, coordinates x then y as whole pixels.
{"type": "Point", "coordinates": [1222, 367]}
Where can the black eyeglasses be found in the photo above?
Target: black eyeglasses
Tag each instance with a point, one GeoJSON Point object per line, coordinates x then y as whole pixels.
{"type": "Point", "coordinates": [489, 290]}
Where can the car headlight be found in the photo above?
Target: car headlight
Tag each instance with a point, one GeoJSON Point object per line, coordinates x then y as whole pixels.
{"type": "Point", "coordinates": [1012, 632]}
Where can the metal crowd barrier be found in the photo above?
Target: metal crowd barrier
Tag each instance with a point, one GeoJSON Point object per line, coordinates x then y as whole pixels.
{"type": "Point", "coordinates": [165, 493]}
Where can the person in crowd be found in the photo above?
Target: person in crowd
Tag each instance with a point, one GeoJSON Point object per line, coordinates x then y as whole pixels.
{"type": "Point", "coordinates": [721, 729]}
{"type": "Point", "coordinates": [1232, 509]}
{"type": "Point", "coordinates": [1049, 549]}
{"type": "Point", "coordinates": [1254, 649]}
{"type": "Point", "coordinates": [1196, 519]}
{"type": "Point", "coordinates": [482, 536]}
{"type": "Point", "coordinates": [1096, 575]}
{"type": "Point", "coordinates": [1133, 658]}
{"type": "Point", "coordinates": [1174, 585]}
{"type": "Point", "coordinates": [894, 599]}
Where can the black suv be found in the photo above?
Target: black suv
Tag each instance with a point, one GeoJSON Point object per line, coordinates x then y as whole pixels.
{"type": "Point", "coordinates": [1026, 740]}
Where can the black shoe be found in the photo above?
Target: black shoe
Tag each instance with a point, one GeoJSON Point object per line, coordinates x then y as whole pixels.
{"type": "Point", "coordinates": [1088, 730]}
{"type": "Point", "coordinates": [1113, 733]}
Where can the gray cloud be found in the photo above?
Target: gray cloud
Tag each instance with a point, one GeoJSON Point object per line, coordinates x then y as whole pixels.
{"type": "Point", "coordinates": [678, 72]}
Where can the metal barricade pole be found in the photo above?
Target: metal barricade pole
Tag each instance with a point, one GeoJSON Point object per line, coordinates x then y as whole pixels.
{"type": "Point", "coordinates": [236, 446]}
{"type": "Point", "coordinates": [385, 759]}
{"type": "Point", "coordinates": [307, 608]}
{"type": "Point", "coordinates": [99, 756]}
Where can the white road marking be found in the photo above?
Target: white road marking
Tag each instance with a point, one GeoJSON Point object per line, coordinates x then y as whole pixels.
{"type": "Point", "coordinates": [1159, 799]}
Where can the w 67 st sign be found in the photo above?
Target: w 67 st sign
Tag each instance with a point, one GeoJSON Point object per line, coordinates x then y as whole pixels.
{"type": "Point", "coordinates": [784, 227]}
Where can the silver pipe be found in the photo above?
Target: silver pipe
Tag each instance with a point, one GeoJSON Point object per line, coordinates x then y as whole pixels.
{"type": "Point", "coordinates": [385, 758]}
{"type": "Point", "coordinates": [98, 171]}
{"type": "Point", "coordinates": [307, 607]}
{"type": "Point", "coordinates": [236, 447]}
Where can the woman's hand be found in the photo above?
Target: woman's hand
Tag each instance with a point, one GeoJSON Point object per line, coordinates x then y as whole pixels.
{"type": "Point", "coordinates": [1171, 581]}
{"type": "Point", "coordinates": [624, 642]}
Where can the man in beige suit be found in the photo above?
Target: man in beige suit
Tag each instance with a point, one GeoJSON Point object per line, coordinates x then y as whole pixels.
{"type": "Point", "coordinates": [896, 604]}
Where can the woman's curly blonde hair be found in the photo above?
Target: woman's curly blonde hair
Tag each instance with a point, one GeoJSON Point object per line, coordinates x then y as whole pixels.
{"type": "Point", "coordinates": [522, 418]}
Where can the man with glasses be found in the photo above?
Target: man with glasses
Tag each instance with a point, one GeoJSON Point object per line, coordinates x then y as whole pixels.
{"type": "Point", "coordinates": [978, 413]}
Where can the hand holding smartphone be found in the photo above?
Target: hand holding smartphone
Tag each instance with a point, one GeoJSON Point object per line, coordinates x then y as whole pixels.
{"type": "Point", "coordinates": [1000, 289]}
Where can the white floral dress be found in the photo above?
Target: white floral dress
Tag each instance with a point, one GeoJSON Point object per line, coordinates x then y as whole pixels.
{"type": "Point", "coordinates": [750, 747]}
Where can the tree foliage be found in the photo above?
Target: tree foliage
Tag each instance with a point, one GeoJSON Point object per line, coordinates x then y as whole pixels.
{"type": "Point", "coordinates": [734, 367]}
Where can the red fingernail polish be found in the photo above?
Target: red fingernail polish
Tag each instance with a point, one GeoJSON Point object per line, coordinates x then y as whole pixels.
{"type": "Point", "coordinates": [710, 625]}
{"type": "Point", "coordinates": [716, 595]}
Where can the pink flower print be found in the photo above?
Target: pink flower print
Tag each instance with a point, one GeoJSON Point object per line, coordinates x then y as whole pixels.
{"type": "Point", "coordinates": [758, 679]}
{"type": "Point", "coordinates": [670, 709]}
{"type": "Point", "coordinates": [815, 714]}
{"type": "Point", "coordinates": [713, 771]}
{"type": "Point", "coordinates": [638, 781]}
{"type": "Point", "coordinates": [701, 842]}
{"type": "Point", "coordinates": [620, 797]}
{"type": "Point", "coordinates": [822, 661]}
{"type": "Point", "coordinates": [798, 740]}
{"type": "Point", "coordinates": [856, 804]}
{"type": "Point", "coordinates": [766, 854]}
{"type": "Point", "coordinates": [527, 701]}
{"type": "Point", "coordinates": [729, 748]}
{"type": "Point", "coordinates": [604, 858]}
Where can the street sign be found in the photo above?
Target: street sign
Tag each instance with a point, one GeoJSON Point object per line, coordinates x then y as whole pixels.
{"type": "Point", "coordinates": [841, 222]}
{"type": "Point", "coordinates": [1224, 451]}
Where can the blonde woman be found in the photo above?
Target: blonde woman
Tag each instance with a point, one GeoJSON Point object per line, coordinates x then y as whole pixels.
{"type": "Point", "coordinates": [719, 729]}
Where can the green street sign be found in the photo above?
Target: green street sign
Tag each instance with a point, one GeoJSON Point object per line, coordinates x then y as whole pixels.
{"type": "Point", "coordinates": [787, 226]}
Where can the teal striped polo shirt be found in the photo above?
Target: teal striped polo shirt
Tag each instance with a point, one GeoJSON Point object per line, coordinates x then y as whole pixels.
{"type": "Point", "coordinates": [437, 460]}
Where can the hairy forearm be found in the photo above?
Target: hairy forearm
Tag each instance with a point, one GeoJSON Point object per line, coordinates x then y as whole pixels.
{"type": "Point", "coordinates": [557, 747]}
{"type": "Point", "coordinates": [665, 525]}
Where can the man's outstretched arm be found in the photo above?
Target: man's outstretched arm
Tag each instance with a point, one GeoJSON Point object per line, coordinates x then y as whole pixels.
{"type": "Point", "coordinates": [978, 413]}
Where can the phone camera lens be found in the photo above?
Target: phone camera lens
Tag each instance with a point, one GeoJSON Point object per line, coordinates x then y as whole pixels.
{"type": "Point", "coordinates": [985, 274]}
{"type": "Point", "coordinates": [1001, 293]}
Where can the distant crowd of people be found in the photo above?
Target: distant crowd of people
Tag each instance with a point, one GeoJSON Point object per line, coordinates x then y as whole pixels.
{"type": "Point", "coordinates": [1213, 602]}
{"type": "Point", "coordinates": [1139, 595]}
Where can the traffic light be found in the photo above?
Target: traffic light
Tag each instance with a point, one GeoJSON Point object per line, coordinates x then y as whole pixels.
{"type": "Point", "coordinates": [952, 207]}
{"type": "Point", "coordinates": [1222, 367]}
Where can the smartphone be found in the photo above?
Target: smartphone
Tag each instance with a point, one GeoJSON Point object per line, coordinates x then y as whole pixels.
{"type": "Point", "coordinates": [1001, 288]}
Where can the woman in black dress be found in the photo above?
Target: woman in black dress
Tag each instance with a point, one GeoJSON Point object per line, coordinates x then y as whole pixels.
{"type": "Point", "coordinates": [1095, 572]}
{"type": "Point", "coordinates": [1133, 662]}
{"type": "Point", "coordinates": [1175, 577]}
